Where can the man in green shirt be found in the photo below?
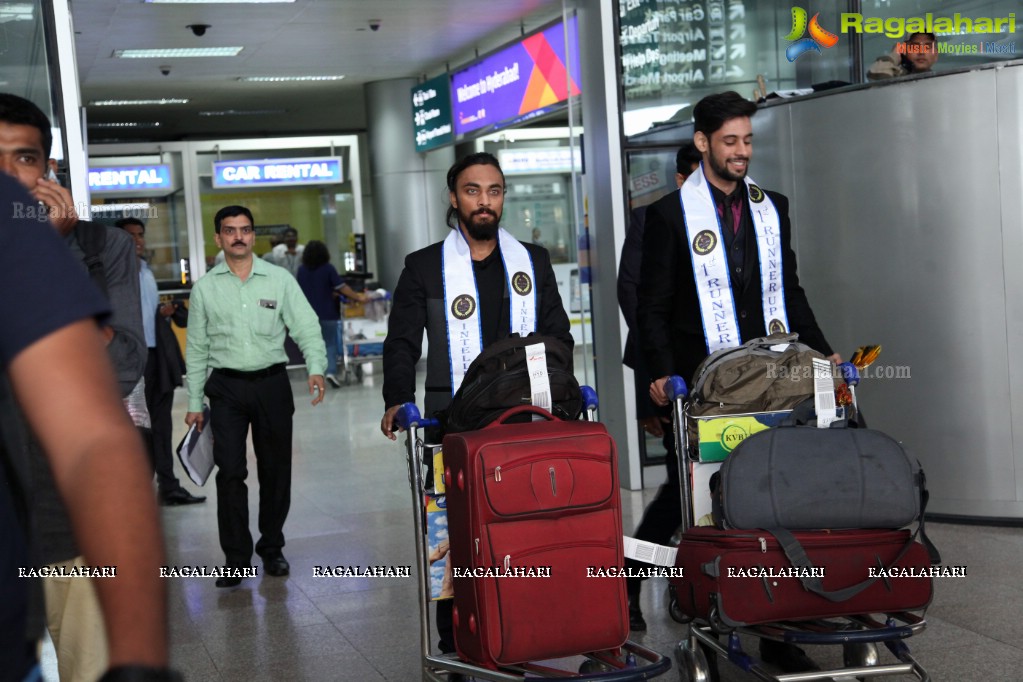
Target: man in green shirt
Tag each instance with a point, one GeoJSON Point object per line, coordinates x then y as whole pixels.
{"type": "Point", "coordinates": [238, 315]}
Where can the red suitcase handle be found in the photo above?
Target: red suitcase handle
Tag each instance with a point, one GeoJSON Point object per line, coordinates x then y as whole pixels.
{"type": "Point", "coordinates": [522, 409]}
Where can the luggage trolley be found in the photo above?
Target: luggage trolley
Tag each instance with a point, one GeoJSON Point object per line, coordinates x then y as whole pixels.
{"type": "Point", "coordinates": [354, 348]}
{"type": "Point", "coordinates": [630, 662]}
{"type": "Point", "coordinates": [859, 635]}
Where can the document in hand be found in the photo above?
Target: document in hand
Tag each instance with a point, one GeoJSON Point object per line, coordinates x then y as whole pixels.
{"type": "Point", "coordinates": [196, 450]}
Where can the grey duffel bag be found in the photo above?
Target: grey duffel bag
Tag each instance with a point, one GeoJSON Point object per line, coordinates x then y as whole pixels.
{"type": "Point", "coordinates": [805, 478]}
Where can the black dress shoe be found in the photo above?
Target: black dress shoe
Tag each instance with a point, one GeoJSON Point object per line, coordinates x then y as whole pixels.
{"type": "Point", "coordinates": [789, 657]}
{"type": "Point", "coordinates": [636, 622]}
{"type": "Point", "coordinates": [276, 566]}
{"type": "Point", "coordinates": [178, 497]}
{"type": "Point", "coordinates": [228, 582]}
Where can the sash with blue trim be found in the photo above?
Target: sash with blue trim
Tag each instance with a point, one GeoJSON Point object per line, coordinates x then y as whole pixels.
{"type": "Point", "coordinates": [461, 298]}
{"type": "Point", "coordinates": [710, 262]}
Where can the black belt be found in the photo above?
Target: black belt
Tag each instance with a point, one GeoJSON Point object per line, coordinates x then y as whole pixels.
{"type": "Point", "coordinates": [270, 371]}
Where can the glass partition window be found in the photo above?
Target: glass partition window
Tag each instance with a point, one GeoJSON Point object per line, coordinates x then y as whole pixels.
{"type": "Point", "coordinates": [163, 214]}
{"type": "Point", "coordinates": [673, 54]}
{"type": "Point", "coordinates": [24, 68]}
{"type": "Point", "coordinates": [963, 46]}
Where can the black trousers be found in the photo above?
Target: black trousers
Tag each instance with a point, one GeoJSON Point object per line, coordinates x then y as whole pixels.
{"type": "Point", "coordinates": [262, 400]}
{"type": "Point", "coordinates": [664, 515]}
{"type": "Point", "coordinates": [159, 443]}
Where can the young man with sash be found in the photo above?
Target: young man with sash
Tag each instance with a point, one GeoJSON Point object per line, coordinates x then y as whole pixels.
{"type": "Point", "coordinates": [718, 270]}
{"type": "Point", "coordinates": [477, 286]}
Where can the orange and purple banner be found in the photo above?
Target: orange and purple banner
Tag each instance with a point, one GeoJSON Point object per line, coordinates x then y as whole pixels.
{"type": "Point", "coordinates": [523, 80]}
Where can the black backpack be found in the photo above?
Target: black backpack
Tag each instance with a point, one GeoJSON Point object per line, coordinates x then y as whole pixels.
{"type": "Point", "coordinates": [498, 380]}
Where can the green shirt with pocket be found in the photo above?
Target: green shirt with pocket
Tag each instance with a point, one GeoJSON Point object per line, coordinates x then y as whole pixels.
{"type": "Point", "coordinates": [241, 325]}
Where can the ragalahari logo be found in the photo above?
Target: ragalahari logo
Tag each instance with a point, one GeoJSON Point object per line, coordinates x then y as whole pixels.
{"type": "Point", "coordinates": [818, 38]}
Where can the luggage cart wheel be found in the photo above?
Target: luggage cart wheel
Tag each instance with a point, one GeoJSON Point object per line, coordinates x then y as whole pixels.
{"type": "Point", "coordinates": [715, 622]}
{"type": "Point", "coordinates": [692, 664]}
{"type": "Point", "coordinates": [591, 667]}
{"type": "Point", "coordinates": [860, 655]}
{"type": "Point", "coordinates": [673, 610]}
{"type": "Point", "coordinates": [358, 373]}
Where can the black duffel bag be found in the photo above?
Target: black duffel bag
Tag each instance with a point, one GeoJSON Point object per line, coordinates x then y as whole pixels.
{"type": "Point", "coordinates": [806, 478]}
{"type": "Point", "coordinates": [498, 380]}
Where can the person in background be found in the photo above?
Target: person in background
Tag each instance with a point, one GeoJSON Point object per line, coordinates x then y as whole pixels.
{"type": "Point", "coordinates": [917, 54]}
{"type": "Point", "coordinates": [322, 286]}
{"type": "Point", "coordinates": [237, 318]}
{"type": "Point", "coordinates": [50, 337]}
{"type": "Point", "coordinates": [163, 374]}
{"type": "Point", "coordinates": [687, 160]}
{"type": "Point", "coordinates": [288, 253]}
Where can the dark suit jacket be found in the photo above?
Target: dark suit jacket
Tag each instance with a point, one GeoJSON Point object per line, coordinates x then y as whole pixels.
{"type": "Point", "coordinates": [418, 305]}
{"type": "Point", "coordinates": [671, 329]}
{"type": "Point", "coordinates": [170, 366]}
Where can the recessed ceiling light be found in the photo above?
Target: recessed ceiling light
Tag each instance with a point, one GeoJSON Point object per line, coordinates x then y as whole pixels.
{"type": "Point", "coordinates": [131, 102]}
{"type": "Point", "coordinates": [20, 11]}
{"type": "Point", "coordinates": [172, 53]}
{"type": "Point", "coordinates": [283, 79]}
{"type": "Point", "coordinates": [219, 2]}
{"type": "Point", "coordinates": [243, 112]}
{"type": "Point", "coordinates": [127, 124]}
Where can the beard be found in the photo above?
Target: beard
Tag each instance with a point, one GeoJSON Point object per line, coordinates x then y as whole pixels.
{"type": "Point", "coordinates": [720, 168]}
{"type": "Point", "coordinates": [482, 225]}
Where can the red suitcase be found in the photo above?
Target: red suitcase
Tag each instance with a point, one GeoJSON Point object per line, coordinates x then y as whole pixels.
{"type": "Point", "coordinates": [745, 578]}
{"type": "Point", "coordinates": [528, 497]}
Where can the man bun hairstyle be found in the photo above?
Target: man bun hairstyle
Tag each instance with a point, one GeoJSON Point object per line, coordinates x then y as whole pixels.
{"type": "Point", "coordinates": [231, 212]}
{"type": "Point", "coordinates": [477, 159]}
{"type": "Point", "coordinates": [711, 112]}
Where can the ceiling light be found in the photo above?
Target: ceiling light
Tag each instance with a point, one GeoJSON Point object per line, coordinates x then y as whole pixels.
{"type": "Point", "coordinates": [283, 79]}
{"type": "Point", "coordinates": [127, 124]}
{"type": "Point", "coordinates": [243, 112]}
{"type": "Point", "coordinates": [131, 102]}
{"type": "Point", "coordinates": [21, 11]}
{"type": "Point", "coordinates": [218, 2]}
{"type": "Point", "coordinates": [172, 53]}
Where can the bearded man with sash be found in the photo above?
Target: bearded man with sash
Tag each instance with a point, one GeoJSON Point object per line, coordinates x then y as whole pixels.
{"type": "Point", "coordinates": [718, 270]}
{"type": "Point", "coordinates": [477, 286]}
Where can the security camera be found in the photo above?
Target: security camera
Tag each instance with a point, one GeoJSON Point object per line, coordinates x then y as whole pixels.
{"type": "Point", "coordinates": [198, 29]}
{"type": "Point", "coordinates": [165, 70]}
{"type": "Point", "coordinates": [374, 24]}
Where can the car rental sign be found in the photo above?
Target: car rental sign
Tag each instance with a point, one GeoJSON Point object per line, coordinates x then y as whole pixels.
{"type": "Point", "coordinates": [277, 172]}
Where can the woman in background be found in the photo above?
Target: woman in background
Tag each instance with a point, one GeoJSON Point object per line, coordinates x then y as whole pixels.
{"type": "Point", "coordinates": [323, 286]}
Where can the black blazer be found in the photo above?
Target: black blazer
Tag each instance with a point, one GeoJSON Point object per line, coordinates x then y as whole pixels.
{"type": "Point", "coordinates": [170, 366]}
{"type": "Point", "coordinates": [668, 316]}
{"type": "Point", "coordinates": [418, 306]}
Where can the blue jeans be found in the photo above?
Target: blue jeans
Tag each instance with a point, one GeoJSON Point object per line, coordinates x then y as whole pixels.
{"type": "Point", "coordinates": [329, 330]}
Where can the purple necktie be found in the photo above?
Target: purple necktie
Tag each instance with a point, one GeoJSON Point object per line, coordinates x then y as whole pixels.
{"type": "Point", "coordinates": [736, 213]}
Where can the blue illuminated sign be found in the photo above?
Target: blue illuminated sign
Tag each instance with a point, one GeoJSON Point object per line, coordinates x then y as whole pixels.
{"type": "Point", "coordinates": [129, 178]}
{"type": "Point", "coordinates": [277, 172]}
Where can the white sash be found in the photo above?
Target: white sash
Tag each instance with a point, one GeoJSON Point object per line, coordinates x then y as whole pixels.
{"type": "Point", "coordinates": [461, 298]}
{"type": "Point", "coordinates": [710, 262]}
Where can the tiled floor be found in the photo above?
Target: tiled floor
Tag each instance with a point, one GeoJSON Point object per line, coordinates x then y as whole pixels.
{"type": "Point", "coordinates": [351, 505]}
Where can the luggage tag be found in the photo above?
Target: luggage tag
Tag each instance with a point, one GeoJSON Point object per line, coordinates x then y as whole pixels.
{"type": "Point", "coordinates": [649, 552]}
{"type": "Point", "coordinates": [539, 380]}
{"type": "Point", "coordinates": [824, 393]}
